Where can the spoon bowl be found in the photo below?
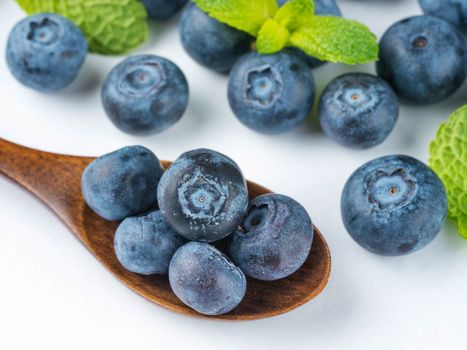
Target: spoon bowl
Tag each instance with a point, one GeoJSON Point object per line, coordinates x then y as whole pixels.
{"type": "Point", "coordinates": [56, 180]}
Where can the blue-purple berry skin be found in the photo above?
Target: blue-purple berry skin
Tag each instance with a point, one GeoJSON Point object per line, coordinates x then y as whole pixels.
{"type": "Point", "coordinates": [271, 94]}
{"type": "Point", "coordinates": [145, 244]}
{"type": "Point", "coordinates": [45, 52]}
{"type": "Point", "coordinates": [211, 43]}
{"type": "Point", "coordinates": [358, 110]}
{"type": "Point", "coordinates": [423, 58]}
{"type": "Point", "coordinates": [145, 94]}
{"type": "Point", "coordinates": [453, 11]}
{"type": "Point", "coordinates": [274, 240]}
{"type": "Point", "coordinates": [393, 205]}
{"type": "Point", "coordinates": [203, 195]}
{"type": "Point", "coordinates": [122, 183]}
{"type": "Point", "coordinates": [322, 8]}
{"type": "Point", "coordinates": [163, 9]}
{"type": "Point", "coordinates": [206, 280]}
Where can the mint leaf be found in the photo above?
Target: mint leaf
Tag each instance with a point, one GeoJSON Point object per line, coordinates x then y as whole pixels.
{"type": "Point", "coordinates": [336, 39]}
{"type": "Point", "coordinates": [111, 27]}
{"type": "Point", "coordinates": [295, 14]}
{"type": "Point", "coordinates": [272, 37]}
{"type": "Point", "coordinates": [448, 159]}
{"type": "Point", "coordinates": [294, 24]}
{"type": "Point", "coordinates": [245, 15]}
{"type": "Point", "coordinates": [274, 34]}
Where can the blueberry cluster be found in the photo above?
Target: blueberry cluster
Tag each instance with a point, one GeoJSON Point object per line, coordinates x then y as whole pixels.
{"type": "Point", "coordinates": [170, 218]}
{"type": "Point", "coordinates": [422, 59]}
{"type": "Point", "coordinates": [142, 95]}
{"type": "Point", "coordinates": [392, 205]}
{"type": "Point", "coordinates": [270, 94]}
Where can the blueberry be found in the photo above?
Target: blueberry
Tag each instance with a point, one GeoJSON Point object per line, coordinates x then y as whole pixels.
{"type": "Point", "coordinates": [122, 183]}
{"type": "Point", "coordinates": [210, 42]}
{"type": "Point", "coordinates": [145, 244]}
{"type": "Point", "coordinates": [322, 8]}
{"type": "Point", "coordinates": [163, 9]}
{"type": "Point", "coordinates": [145, 94]}
{"type": "Point", "coordinates": [358, 110]}
{"type": "Point", "coordinates": [271, 94]}
{"type": "Point", "coordinates": [393, 205]}
{"type": "Point", "coordinates": [205, 280]}
{"type": "Point", "coordinates": [203, 195]}
{"type": "Point", "coordinates": [453, 11]}
{"type": "Point", "coordinates": [274, 240]}
{"type": "Point", "coordinates": [45, 52]}
{"type": "Point", "coordinates": [423, 59]}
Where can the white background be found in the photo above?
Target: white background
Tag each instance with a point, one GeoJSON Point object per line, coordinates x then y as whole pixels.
{"type": "Point", "coordinates": [55, 295]}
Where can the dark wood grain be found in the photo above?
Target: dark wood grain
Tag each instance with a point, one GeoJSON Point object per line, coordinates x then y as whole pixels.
{"type": "Point", "coordinates": [55, 179]}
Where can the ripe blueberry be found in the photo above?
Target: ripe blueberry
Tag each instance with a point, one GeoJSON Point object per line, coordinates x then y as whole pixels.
{"type": "Point", "coordinates": [393, 205]}
{"type": "Point", "coordinates": [122, 183]}
{"type": "Point", "coordinates": [45, 52]}
{"type": "Point", "coordinates": [203, 195]}
{"type": "Point", "coordinates": [423, 58]}
{"type": "Point", "coordinates": [358, 110]}
{"type": "Point", "coordinates": [271, 94]}
{"type": "Point", "coordinates": [145, 244]}
{"type": "Point", "coordinates": [163, 9]}
{"type": "Point", "coordinates": [145, 94]}
{"type": "Point", "coordinates": [274, 240]}
{"type": "Point", "coordinates": [205, 280]}
{"type": "Point", "coordinates": [453, 11]}
{"type": "Point", "coordinates": [211, 43]}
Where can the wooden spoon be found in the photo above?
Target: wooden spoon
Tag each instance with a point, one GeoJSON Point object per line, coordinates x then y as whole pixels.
{"type": "Point", "coordinates": [56, 180]}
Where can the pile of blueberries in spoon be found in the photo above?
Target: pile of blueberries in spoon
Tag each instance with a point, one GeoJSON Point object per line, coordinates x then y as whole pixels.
{"type": "Point", "coordinates": [171, 218]}
{"type": "Point", "coordinates": [391, 205]}
{"type": "Point", "coordinates": [422, 60]}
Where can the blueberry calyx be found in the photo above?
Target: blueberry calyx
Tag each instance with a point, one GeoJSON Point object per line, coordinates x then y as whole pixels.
{"type": "Point", "coordinates": [45, 32]}
{"type": "Point", "coordinates": [264, 86]}
{"type": "Point", "coordinates": [420, 42]}
{"type": "Point", "coordinates": [256, 217]}
{"type": "Point", "coordinates": [390, 190]}
{"type": "Point", "coordinates": [142, 79]}
{"type": "Point", "coordinates": [201, 197]}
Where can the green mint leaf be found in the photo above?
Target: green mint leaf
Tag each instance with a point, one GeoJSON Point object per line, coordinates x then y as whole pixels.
{"type": "Point", "coordinates": [272, 37]}
{"type": "Point", "coordinates": [111, 27]}
{"type": "Point", "coordinates": [274, 34]}
{"type": "Point", "coordinates": [295, 14]}
{"type": "Point", "coordinates": [245, 15]}
{"type": "Point", "coordinates": [336, 39]}
{"type": "Point", "coordinates": [448, 159]}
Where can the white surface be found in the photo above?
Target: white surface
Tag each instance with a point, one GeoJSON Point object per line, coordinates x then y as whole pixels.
{"type": "Point", "coordinates": [55, 295]}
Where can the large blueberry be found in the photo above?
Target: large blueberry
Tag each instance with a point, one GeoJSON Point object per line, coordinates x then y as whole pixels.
{"type": "Point", "coordinates": [423, 58]}
{"type": "Point", "coordinates": [271, 94]}
{"type": "Point", "coordinates": [453, 11]}
{"type": "Point", "coordinates": [211, 43]}
{"type": "Point", "coordinates": [145, 94]}
{"type": "Point", "coordinates": [322, 8]}
{"type": "Point", "coordinates": [145, 244]}
{"type": "Point", "coordinates": [203, 195]}
{"type": "Point", "coordinates": [122, 183]}
{"type": "Point", "coordinates": [163, 9]}
{"type": "Point", "coordinates": [205, 280]}
{"type": "Point", "coordinates": [45, 52]}
{"type": "Point", "coordinates": [393, 205]}
{"type": "Point", "coordinates": [274, 240]}
{"type": "Point", "coordinates": [358, 110]}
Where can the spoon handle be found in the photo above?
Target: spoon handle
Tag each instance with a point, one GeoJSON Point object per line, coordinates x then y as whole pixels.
{"type": "Point", "coordinates": [53, 178]}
